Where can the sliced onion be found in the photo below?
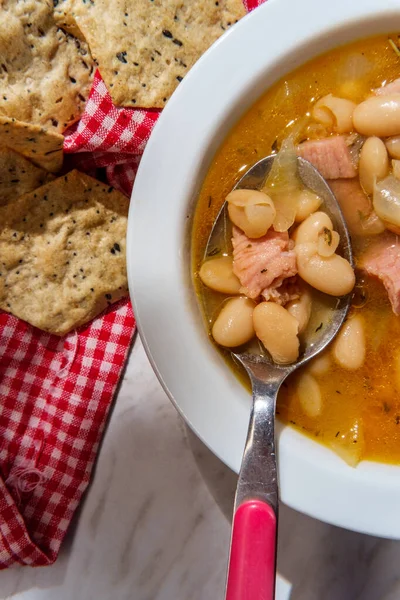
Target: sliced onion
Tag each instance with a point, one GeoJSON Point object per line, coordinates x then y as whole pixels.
{"type": "Point", "coordinates": [351, 76]}
{"type": "Point", "coordinates": [355, 142]}
{"type": "Point", "coordinates": [282, 185]}
{"type": "Point", "coordinates": [386, 200]}
{"type": "Point", "coordinates": [349, 443]}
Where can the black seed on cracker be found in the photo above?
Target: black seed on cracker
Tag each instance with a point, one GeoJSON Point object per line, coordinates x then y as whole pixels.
{"type": "Point", "coordinates": [167, 33]}
{"type": "Point", "coordinates": [121, 57]}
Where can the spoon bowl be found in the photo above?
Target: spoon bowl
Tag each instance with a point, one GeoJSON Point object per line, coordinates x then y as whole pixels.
{"type": "Point", "coordinates": [252, 559]}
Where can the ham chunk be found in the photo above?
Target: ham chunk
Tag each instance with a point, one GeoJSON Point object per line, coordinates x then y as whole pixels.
{"type": "Point", "coordinates": [263, 264]}
{"type": "Point", "coordinates": [382, 260]}
{"type": "Point", "coordinates": [390, 88]}
{"type": "Point", "coordinates": [357, 208]}
{"type": "Point", "coordinates": [330, 156]}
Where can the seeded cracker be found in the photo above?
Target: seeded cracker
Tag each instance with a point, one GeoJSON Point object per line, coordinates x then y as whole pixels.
{"type": "Point", "coordinates": [62, 253]}
{"type": "Point", "coordinates": [45, 73]}
{"type": "Point", "coordinates": [64, 19]}
{"type": "Point", "coordinates": [44, 148]}
{"type": "Point", "coordinates": [144, 48]}
{"type": "Point", "coordinates": [18, 176]}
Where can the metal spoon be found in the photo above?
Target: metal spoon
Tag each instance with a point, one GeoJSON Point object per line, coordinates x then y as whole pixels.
{"type": "Point", "coordinates": [252, 562]}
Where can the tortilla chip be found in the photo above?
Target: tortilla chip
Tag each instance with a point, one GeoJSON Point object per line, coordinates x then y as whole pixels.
{"type": "Point", "coordinates": [144, 49]}
{"type": "Point", "coordinates": [44, 148]}
{"type": "Point", "coordinates": [18, 176]}
{"type": "Point", "coordinates": [62, 253]}
{"type": "Point", "coordinates": [45, 73]}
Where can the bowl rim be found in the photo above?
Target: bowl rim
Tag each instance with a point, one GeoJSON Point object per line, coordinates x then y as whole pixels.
{"type": "Point", "coordinates": [228, 78]}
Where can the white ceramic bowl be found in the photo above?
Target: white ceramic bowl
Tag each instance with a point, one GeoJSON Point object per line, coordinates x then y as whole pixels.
{"type": "Point", "coordinates": [271, 41]}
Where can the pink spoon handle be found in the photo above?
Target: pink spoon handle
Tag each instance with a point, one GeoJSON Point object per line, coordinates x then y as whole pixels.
{"type": "Point", "coordinates": [251, 574]}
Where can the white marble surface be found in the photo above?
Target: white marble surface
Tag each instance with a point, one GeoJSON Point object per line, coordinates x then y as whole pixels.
{"type": "Point", "coordinates": [154, 523]}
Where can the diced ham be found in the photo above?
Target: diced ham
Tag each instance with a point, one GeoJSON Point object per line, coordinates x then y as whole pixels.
{"type": "Point", "coordinates": [390, 88]}
{"type": "Point", "coordinates": [330, 156]}
{"type": "Point", "coordinates": [356, 207]}
{"type": "Point", "coordinates": [286, 290]}
{"type": "Point", "coordinates": [382, 260]}
{"type": "Point", "coordinates": [263, 264]}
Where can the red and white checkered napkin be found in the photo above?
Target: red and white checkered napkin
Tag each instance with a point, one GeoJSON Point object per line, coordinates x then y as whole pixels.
{"type": "Point", "coordinates": [110, 137]}
{"type": "Point", "coordinates": [55, 393]}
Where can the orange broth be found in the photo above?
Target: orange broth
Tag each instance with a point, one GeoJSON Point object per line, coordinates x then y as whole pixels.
{"type": "Point", "coordinates": [370, 395]}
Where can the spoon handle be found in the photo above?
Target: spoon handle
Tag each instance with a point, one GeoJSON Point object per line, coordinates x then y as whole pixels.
{"type": "Point", "coordinates": [252, 562]}
{"type": "Point", "coordinates": [253, 553]}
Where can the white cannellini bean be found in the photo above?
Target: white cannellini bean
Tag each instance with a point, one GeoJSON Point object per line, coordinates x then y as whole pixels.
{"type": "Point", "coordinates": [332, 275]}
{"type": "Point", "coordinates": [311, 227]}
{"type": "Point", "coordinates": [320, 365]}
{"type": "Point", "coordinates": [300, 309]}
{"type": "Point", "coordinates": [378, 115]}
{"type": "Point", "coordinates": [307, 203]}
{"type": "Point", "coordinates": [374, 163]}
{"type": "Point", "coordinates": [393, 147]}
{"type": "Point", "coordinates": [234, 324]}
{"type": "Point", "coordinates": [396, 168]}
{"type": "Point", "coordinates": [328, 241]}
{"type": "Point", "coordinates": [335, 112]}
{"type": "Point", "coordinates": [252, 211]}
{"type": "Point", "coordinates": [277, 329]}
{"type": "Point", "coordinates": [217, 274]}
{"type": "Point", "coordinates": [309, 394]}
{"type": "Point", "coordinates": [349, 346]}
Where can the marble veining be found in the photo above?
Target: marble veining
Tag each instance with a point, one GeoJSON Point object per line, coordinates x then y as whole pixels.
{"type": "Point", "coordinates": [155, 523]}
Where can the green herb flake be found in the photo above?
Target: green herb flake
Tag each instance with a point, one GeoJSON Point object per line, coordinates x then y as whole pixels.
{"type": "Point", "coordinates": [327, 233]}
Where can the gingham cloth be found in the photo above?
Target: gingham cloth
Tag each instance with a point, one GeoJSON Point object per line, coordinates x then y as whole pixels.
{"type": "Point", "coordinates": [55, 393]}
